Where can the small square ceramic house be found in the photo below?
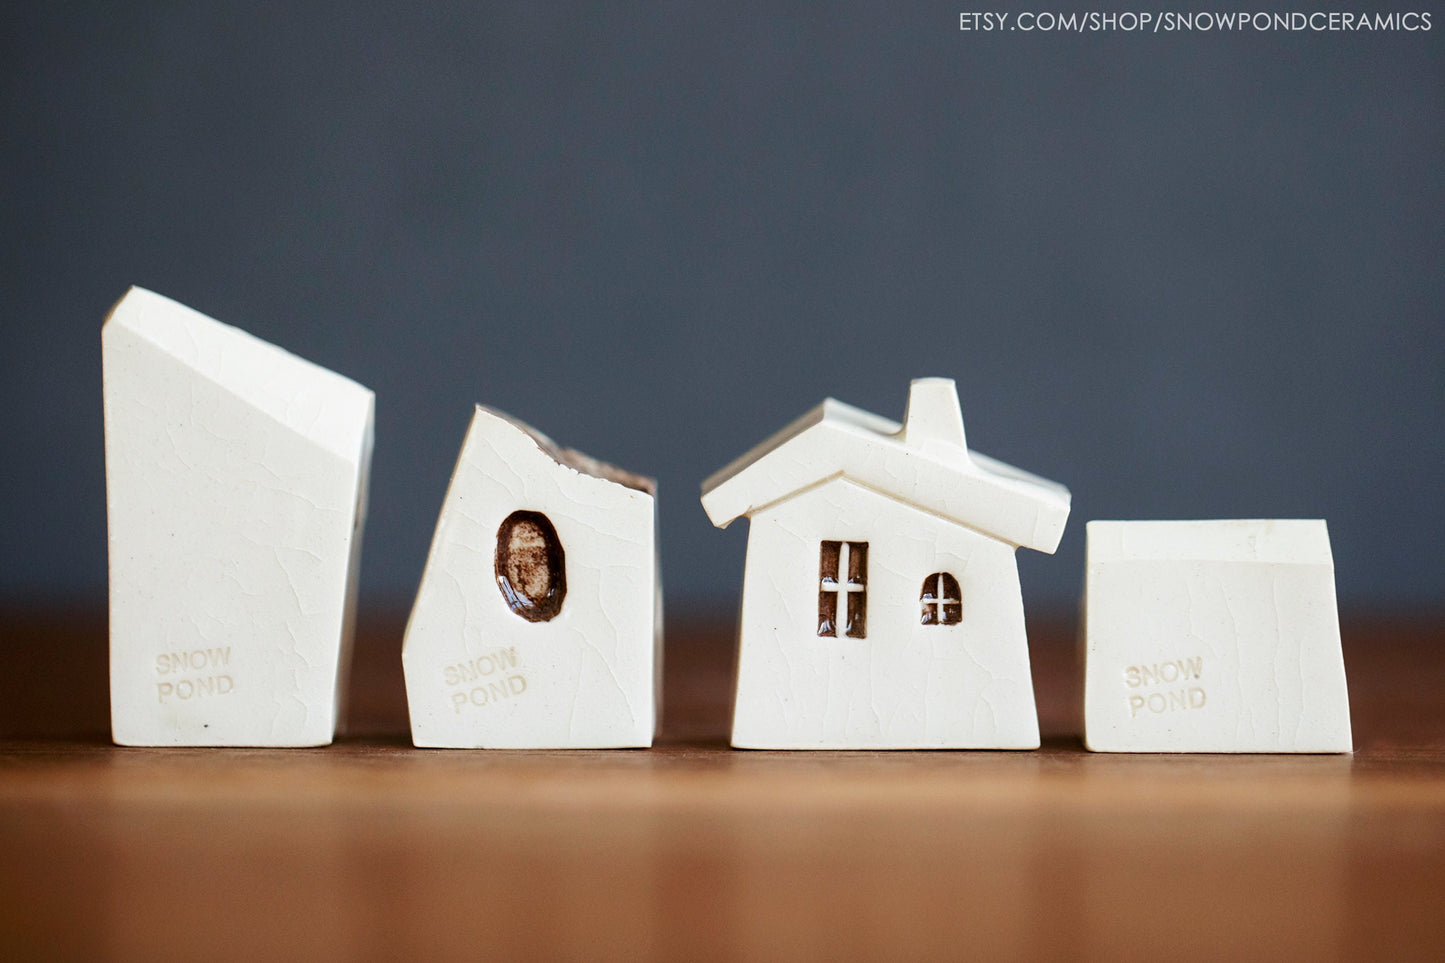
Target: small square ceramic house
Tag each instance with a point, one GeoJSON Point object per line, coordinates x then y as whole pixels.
{"type": "Point", "coordinates": [881, 604]}
{"type": "Point", "coordinates": [538, 620]}
{"type": "Point", "coordinates": [1213, 636]}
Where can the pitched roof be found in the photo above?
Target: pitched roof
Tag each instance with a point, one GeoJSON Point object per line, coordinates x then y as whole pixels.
{"type": "Point", "coordinates": [925, 462]}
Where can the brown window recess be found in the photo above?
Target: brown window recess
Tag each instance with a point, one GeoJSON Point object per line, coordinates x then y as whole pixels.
{"type": "Point", "coordinates": [531, 567]}
{"type": "Point", "coordinates": [843, 571]}
{"type": "Point", "coordinates": [941, 600]}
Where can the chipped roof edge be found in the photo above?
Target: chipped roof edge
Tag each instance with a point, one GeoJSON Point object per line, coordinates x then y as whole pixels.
{"type": "Point", "coordinates": [577, 461]}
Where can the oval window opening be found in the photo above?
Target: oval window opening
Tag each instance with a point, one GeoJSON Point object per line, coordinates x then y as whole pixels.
{"type": "Point", "coordinates": [531, 568]}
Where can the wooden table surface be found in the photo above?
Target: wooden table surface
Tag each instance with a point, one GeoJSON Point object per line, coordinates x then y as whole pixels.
{"type": "Point", "coordinates": [370, 849]}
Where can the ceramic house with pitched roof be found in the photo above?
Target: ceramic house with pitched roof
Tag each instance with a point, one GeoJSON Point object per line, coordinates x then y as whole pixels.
{"type": "Point", "coordinates": [881, 603]}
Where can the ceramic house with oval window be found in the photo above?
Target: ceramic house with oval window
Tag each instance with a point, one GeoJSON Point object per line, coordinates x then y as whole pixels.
{"type": "Point", "coordinates": [881, 604]}
{"type": "Point", "coordinates": [538, 620]}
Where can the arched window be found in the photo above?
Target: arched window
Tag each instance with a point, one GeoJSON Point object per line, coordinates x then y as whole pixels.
{"type": "Point", "coordinates": [942, 602]}
{"type": "Point", "coordinates": [531, 567]}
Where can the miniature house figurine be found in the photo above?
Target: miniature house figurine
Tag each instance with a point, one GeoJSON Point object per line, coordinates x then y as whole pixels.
{"type": "Point", "coordinates": [236, 478]}
{"type": "Point", "coordinates": [538, 621]}
{"type": "Point", "coordinates": [881, 603]}
{"type": "Point", "coordinates": [1213, 636]}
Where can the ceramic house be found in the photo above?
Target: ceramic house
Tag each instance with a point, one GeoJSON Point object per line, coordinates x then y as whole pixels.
{"type": "Point", "coordinates": [538, 620]}
{"type": "Point", "coordinates": [1213, 636]}
{"type": "Point", "coordinates": [236, 479]}
{"type": "Point", "coordinates": [881, 604]}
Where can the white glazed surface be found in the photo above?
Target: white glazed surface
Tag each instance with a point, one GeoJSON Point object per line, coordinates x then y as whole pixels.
{"type": "Point", "coordinates": [925, 504]}
{"type": "Point", "coordinates": [924, 462]}
{"type": "Point", "coordinates": [480, 676]}
{"type": "Point", "coordinates": [906, 685]}
{"type": "Point", "coordinates": [236, 490]}
{"type": "Point", "coordinates": [1213, 636]}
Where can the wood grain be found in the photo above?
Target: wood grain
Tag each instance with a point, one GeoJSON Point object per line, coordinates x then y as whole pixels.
{"type": "Point", "coordinates": [370, 849]}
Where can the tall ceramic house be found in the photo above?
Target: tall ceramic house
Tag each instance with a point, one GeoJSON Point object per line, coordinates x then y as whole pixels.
{"type": "Point", "coordinates": [236, 485]}
{"type": "Point", "coordinates": [881, 604]}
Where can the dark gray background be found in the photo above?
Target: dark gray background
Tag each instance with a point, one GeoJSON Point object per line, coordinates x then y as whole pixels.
{"type": "Point", "coordinates": [1189, 276]}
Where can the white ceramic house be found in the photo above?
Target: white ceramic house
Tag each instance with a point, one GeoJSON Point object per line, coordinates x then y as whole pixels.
{"type": "Point", "coordinates": [881, 604]}
{"type": "Point", "coordinates": [538, 620]}
{"type": "Point", "coordinates": [236, 479]}
{"type": "Point", "coordinates": [1213, 636]}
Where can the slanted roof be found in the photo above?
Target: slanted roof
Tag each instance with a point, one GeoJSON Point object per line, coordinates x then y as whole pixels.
{"type": "Point", "coordinates": [567, 457]}
{"type": "Point", "coordinates": [925, 462]}
{"type": "Point", "coordinates": [327, 409]}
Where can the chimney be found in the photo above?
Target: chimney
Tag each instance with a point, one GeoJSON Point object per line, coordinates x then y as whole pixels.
{"type": "Point", "coordinates": [933, 415]}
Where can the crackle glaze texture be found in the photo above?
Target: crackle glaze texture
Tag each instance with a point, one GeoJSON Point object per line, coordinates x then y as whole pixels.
{"type": "Point", "coordinates": [236, 479]}
{"type": "Point", "coordinates": [906, 684]}
{"type": "Point", "coordinates": [537, 623]}
{"type": "Point", "coordinates": [1213, 636]}
{"type": "Point", "coordinates": [916, 513]}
